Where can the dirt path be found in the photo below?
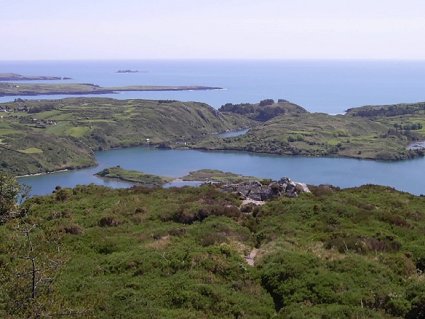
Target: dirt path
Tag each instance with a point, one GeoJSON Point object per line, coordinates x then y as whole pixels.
{"type": "Point", "coordinates": [250, 259]}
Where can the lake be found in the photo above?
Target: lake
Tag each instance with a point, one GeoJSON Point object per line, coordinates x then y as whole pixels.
{"type": "Point", "coordinates": [404, 175]}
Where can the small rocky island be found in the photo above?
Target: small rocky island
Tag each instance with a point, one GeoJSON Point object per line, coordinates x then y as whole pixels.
{"type": "Point", "coordinates": [250, 189]}
{"type": "Point", "coordinates": [137, 177]}
{"type": "Point", "coordinates": [128, 71]}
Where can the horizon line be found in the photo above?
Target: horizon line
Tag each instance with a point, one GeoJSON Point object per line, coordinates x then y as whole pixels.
{"type": "Point", "coordinates": [215, 59]}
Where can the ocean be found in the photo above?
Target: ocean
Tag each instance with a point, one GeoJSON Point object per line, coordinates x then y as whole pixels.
{"type": "Point", "coordinates": [319, 86]}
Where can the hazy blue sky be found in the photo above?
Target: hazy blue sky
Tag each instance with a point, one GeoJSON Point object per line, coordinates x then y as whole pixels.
{"type": "Point", "coordinates": [121, 29]}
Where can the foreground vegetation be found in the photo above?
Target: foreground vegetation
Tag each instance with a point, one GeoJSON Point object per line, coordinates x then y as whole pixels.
{"type": "Point", "coordinates": [182, 253]}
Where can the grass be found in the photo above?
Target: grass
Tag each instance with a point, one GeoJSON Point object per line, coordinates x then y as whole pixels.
{"type": "Point", "coordinates": [78, 131]}
{"type": "Point", "coordinates": [212, 175]}
{"type": "Point", "coordinates": [31, 150]}
{"type": "Point", "coordinates": [5, 131]}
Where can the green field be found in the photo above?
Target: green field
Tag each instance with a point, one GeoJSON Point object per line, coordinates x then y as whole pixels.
{"type": "Point", "coordinates": [31, 150]}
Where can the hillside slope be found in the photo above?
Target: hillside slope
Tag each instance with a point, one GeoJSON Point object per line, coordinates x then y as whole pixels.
{"type": "Point", "coordinates": [379, 133]}
{"type": "Point", "coordinates": [83, 125]}
{"type": "Point", "coordinates": [192, 253]}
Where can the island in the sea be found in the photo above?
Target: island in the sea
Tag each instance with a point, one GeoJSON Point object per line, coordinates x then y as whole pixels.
{"type": "Point", "coordinates": [19, 77]}
{"type": "Point", "coordinates": [128, 71]}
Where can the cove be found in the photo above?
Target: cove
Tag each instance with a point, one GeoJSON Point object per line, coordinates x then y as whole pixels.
{"type": "Point", "coordinates": [406, 176]}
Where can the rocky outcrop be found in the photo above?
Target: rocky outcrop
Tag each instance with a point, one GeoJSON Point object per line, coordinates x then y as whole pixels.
{"type": "Point", "coordinates": [257, 191]}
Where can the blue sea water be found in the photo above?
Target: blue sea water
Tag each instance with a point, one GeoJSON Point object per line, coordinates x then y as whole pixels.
{"type": "Point", "coordinates": [320, 86]}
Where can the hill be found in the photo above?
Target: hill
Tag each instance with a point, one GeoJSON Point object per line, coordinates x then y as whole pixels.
{"type": "Point", "coordinates": [39, 136]}
{"type": "Point", "coordinates": [264, 110]}
{"type": "Point", "coordinates": [378, 133]}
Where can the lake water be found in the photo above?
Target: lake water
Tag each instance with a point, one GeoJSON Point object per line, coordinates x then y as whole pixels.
{"type": "Point", "coordinates": [406, 175]}
{"type": "Point", "coordinates": [319, 86]}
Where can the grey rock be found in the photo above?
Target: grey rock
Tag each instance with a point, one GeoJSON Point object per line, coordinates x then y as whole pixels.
{"type": "Point", "coordinates": [259, 192]}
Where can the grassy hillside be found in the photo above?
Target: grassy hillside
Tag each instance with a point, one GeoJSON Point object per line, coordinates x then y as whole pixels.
{"type": "Point", "coordinates": [183, 253]}
{"type": "Point", "coordinates": [373, 111]}
{"type": "Point", "coordinates": [378, 136]}
{"type": "Point", "coordinates": [65, 132]}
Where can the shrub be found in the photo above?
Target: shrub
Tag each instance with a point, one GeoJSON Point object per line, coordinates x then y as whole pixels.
{"type": "Point", "coordinates": [72, 229]}
{"type": "Point", "coordinates": [109, 221]}
{"type": "Point", "coordinates": [362, 244]}
{"type": "Point", "coordinates": [266, 102]}
{"type": "Point", "coordinates": [212, 239]}
{"type": "Point", "coordinates": [61, 195]}
{"type": "Point", "coordinates": [190, 215]}
{"type": "Point", "coordinates": [9, 192]}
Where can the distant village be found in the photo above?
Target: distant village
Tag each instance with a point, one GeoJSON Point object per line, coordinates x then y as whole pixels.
{"type": "Point", "coordinates": [7, 109]}
{"type": "Point", "coordinates": [38, 123]}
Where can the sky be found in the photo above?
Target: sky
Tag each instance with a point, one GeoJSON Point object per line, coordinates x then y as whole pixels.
{"type": "Point", "coordinates": [207, 29]}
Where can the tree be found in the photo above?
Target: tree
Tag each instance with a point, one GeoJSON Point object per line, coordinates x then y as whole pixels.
{"type": "Point", "coordinates": [12, 196]}
{"type": "Point", "coordinates": [9, 194]}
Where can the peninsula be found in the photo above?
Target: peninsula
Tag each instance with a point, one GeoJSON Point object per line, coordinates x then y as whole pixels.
{"type": "Point", "coordinates": [19, 77]}
{"type": "Point", "coordinates": [34, 89]}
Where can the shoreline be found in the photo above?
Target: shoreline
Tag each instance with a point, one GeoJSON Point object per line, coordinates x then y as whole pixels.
{"type": "Point", "coordinates": [47, 173]}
